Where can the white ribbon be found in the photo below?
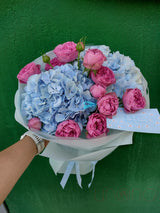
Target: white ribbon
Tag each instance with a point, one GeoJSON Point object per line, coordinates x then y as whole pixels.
{"type": "Point", "coordinates": [68, 171]}
{"type": "Point", "coordinates": [93, 171]}
{"type": "Point", "coordinates": [78, 176]}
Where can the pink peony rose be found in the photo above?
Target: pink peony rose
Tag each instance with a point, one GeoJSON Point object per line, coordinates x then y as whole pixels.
{"type": "Point", "coordinates": [66, 52]}
{"type": "Point", "coordinates": [54, 62]}
{"type": "Point", "coordinates": [108, 104]}
{"type": "Point", "coordinates": [133, 100]}
{"type": "Point", "coordinates": [93, 59]}
{"type": "Point", "coordinates": [97, 91]}
{"type": "Point", "coordinates": [68, 128]}
{"type": "Point", "coordinates": [104, 76]}
{"type": "Point", "coordinates": [34, 123]}
{"type": "Point", "coordinates": [27, 71]}
{"type": "Point", "coordinates": [96, 125]}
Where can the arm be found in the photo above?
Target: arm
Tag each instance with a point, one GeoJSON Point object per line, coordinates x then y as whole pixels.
{"type": "Point", "coordinates": [13, 162]}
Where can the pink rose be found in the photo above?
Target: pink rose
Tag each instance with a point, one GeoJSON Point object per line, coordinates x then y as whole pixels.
{"type": "Point", "coordinates": [97, 91]}
{"type": "Point", "coordinates": [104, 76]}
{"type": "Point", "coordinates": [93, 59]}
{"type": "Point", "coordinates": [54, 62]}
{"type": "Point", "coordinates": [66, 52]}
{"type": "Point", "coordinates": [34, 123]}
{"type": "Point", "coordinates": [27, 71]}
{"type": "Point", "coordinates": [96, 125]}
{"type": "Point", "coordinates": [68, 128]}
{"type": "Point", "coordinates": [108, 104]}
{"type": "Point", "coordinates": [133, 100]}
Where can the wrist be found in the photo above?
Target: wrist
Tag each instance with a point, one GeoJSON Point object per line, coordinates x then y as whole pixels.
{"type": "Point", "coordinates": [39, 142]}
{"type": "Point", "coordinates": [28, 140]}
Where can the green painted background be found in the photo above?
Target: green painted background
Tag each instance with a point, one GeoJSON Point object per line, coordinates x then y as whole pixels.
{"type": "Point", "coordinates": [128, 180]}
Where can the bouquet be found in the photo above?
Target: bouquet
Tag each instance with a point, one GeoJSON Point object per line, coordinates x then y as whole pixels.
{"type": "Point", "coordinates": [87, 101]}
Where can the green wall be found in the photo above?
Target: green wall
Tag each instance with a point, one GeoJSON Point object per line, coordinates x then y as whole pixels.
{"type": "Point", "coordinates": [128, 180]}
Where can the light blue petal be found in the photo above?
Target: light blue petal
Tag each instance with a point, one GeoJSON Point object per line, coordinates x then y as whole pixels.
{"type": "Point", "coordinates": [59, 117]}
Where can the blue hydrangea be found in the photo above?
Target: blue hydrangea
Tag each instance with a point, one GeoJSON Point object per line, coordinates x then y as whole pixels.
{"type": "Point", "coordinates": [126, 73]}
{"type": "Point", "coordinates": [57, 95]}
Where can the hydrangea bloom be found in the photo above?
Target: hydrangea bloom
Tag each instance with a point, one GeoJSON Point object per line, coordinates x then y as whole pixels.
{"type": "Point", "coordinates": [126, 73]}
{"type": "Point", "coordinates": [57, 95]}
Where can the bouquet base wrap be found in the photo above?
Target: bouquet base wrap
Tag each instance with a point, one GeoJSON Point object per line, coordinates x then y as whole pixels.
{"type": "Point", "coordinates": [60, 154]}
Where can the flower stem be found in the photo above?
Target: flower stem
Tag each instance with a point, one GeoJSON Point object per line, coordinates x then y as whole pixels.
{"type": "Point", "coordinates": [50, 65]}
{"type": "Point", "coordinates": [78, 60]}
{"type": "Point", "coordinates": [88, 72]}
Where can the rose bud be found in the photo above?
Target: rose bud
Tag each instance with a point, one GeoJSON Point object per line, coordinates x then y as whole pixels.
{"type": "Point", "coordinates": [46, 59]}
{"type": "Point", "coordinates": [80, 46]}
{"type": "Point", "coordinates": [97, 91]}
{"type": "Point", "coordinates": [34, 123]}
{"type": "Point", "coordinates": [133, 100]}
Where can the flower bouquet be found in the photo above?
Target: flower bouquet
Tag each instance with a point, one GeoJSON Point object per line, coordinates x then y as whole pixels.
{"type": "Point", "coordinates": [85, 100]}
